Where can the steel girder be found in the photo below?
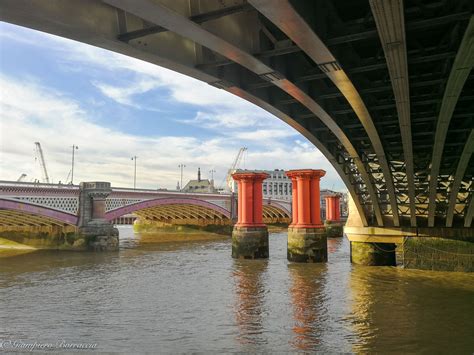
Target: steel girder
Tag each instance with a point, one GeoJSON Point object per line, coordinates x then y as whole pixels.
{"type": "Point", "coordinates": [434, 32]}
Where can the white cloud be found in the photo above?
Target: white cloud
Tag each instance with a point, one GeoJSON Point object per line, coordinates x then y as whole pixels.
{"type": "Point", "coordinates": [31, 112]}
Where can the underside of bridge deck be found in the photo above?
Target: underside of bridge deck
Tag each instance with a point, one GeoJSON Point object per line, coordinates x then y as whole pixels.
{"type": "Point", "coordinates": [383, 88]}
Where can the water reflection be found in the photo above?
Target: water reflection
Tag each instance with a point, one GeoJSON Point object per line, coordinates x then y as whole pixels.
{"type": "Point", "coordinates": [334, 245]}
{"type": "Point", "coordinates": [249, 285]}
{"type": "Point", "coordinates": [390, 304]}
{"type": "Point", "coordinates": [307, 303]}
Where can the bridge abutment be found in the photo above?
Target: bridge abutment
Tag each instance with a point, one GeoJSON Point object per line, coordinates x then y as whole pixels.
{"type": "Point", "coordinates": [307, 241]}
{"type": "Point", "coordinates": [250, 234]}
{"type": "Point", "coordinates": [430, 248]}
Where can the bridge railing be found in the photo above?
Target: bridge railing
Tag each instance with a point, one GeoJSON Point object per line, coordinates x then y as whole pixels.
{"type": "Point", "coordinates": [4, 183]}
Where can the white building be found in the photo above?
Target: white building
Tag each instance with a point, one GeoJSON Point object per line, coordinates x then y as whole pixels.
{"type": "Point", "coordinates": [277, 186]}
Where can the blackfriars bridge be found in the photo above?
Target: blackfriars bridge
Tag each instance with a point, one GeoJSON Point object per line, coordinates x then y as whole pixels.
{"type": "Point", "coordinates": [63, 208]}
{"type": "Point", "coordinates": [383, 88]}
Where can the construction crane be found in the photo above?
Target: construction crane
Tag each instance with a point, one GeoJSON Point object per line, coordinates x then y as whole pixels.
{"type": "Point", "coordinates": [40, 157]}
{"type": "Point", "coordinates": [21, 178]}
{"type": "Point", "coordinates": [233, 167]}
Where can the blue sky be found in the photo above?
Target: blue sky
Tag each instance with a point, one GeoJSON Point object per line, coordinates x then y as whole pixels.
{"type": "Point", "coordinates": [61, 92]}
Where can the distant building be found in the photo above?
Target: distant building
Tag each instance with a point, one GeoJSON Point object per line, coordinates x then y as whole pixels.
{"type": "Point", "coordinates": [277, 186]}
{"type": "Point", "coordinates": [200, 185]}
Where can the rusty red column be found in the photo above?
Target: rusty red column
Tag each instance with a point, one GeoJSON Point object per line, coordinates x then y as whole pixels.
{"type": "Point", "coordinates": [334, 226]}
{"type": "Point", "coordinates": [333, 208]}
{"type": "Point", "coordinates": [250, 234]}
{"type": "Point", "coordinates": [306, 234]}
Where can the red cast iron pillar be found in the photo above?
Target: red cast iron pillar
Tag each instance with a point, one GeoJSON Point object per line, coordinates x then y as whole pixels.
{"type": "Point", "coordinates": [334, 226]}
{"type": "Point", "coordinates": [250, 234]}
{"type": "Point", "coordinates": [306, 234]}
{"type": "Point", "coordinates": [333, 208]}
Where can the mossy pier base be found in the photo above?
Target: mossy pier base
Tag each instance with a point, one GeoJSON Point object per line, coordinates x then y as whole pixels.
{"type": "Point", "coordinates": [426, 248]}
{"type": "Point", "coordinates": [88, 238]}
{"type": "Point", "coordinates": [334, 229]}
{"type": "Point", "coordinates": [373, 254]}
{"type": "Point", "coordinates": [307, 245]}
{"type": "Point", "coordinates": [250, 242]}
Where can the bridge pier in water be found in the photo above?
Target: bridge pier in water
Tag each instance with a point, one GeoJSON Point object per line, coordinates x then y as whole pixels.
{"type": "Point", "coordinates": [250, 234]}
{"type": "Point", "coordinates": [98, 233]}
{"type": "Point", "coordinates": [426, 248]}
{"type": "Point", "coordinates": [307, 241]}
{"type": "Point", "coordinates": [333, 224]}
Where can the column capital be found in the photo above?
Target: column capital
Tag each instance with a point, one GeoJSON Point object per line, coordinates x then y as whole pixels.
{"type": "Point", "coordinates": [249, 176]}
{"type": "Point", "coordinates": [305, 173]}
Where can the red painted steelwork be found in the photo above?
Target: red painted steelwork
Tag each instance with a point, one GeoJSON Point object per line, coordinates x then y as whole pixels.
{"type": "Point", "coordinates": [306, 205]}
{"type": "Point", "coordinates": [250, 199]}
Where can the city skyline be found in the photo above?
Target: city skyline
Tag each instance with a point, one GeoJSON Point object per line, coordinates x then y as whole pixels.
{"type": "Point", "coordinates": [61, 92]}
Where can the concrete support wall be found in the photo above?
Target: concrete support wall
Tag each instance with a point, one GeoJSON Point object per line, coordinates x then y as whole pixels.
{"type": "Point", "coordinates": [437, 248]}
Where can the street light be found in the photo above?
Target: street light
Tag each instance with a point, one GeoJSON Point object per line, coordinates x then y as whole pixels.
{"type": "Point", "coordinates": [212, 173]}
{"type": "Point", "coordinates": [181, 166]}
{"type": "Point", "coordinates": [135, 174]}
{"type": "Point", "coordinates": [74, 147]}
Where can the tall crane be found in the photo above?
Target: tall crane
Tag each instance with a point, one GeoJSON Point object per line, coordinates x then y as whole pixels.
{"type": "Point", "coordinates": [40, 157]}
{"type": "Point", "coordinates": [233, 167]}
{"type": "Point", "coordinates": [21, 178]}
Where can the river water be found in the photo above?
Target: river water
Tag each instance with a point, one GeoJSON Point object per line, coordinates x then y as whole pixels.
{"type": "Point", "coordinates": [162, 295]}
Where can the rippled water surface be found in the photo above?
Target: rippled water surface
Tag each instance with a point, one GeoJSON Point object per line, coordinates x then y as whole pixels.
{"type": "Point", "coordinates": [163, 295]}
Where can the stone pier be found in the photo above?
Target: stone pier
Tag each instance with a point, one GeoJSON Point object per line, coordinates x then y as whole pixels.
{"type": "Point", "coordinates": [333, 224]}
{"type": "Point", "coordinates": [97, 233]}
{"type": "Point", "coordinates": [250, 234]}
{"type": "Point", "coordinates": [307, 240]}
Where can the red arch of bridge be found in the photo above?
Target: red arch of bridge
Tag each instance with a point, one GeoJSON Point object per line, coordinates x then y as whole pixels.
{"type": "Point", "coordinates": [111, 215]}
{"type": "Point", "coordinates": [38, 210]}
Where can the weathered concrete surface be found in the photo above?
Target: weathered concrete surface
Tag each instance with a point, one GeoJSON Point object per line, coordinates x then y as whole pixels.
{"type": "Point", "coordinates": [438, 254]}
{"type": "Point", "coordinates": [145, 226]}
{"type": "Point", "coordinates": [91, 237]}
{"type": "Point", "coordinates": [307, 245]}
{"type": "Point", "coordinates": [373, 254]}
{"type": "Point", "coordinates": [250, 242]}
{"type": "Point", "coordinates": [40, 238]}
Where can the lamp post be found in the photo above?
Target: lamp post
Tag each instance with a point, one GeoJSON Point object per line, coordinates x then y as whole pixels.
{"type": "Point", "coordinates": [74, 147]}
{"type": "Point", "coordinates": [135, 173]}
{"type": "Point", "coordinates": [212, 173]}
{"type": "Point", "coordinates": [181, 166]}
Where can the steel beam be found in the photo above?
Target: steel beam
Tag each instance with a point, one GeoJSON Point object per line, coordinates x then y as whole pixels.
{"type": "Point", "coordinates": [390, 22]}
{"type": "Point", "coordinates": [413, 26]}
{"type": "Point", "coordinates": [199, 18]}
{"type": "Point", "coordinates": [470, 212]}
{"type": "Point", "coordinates": [161, 15]}
{"type": "Point", "coordinates": [462, 66]}
{"type": "Point", "coordinates": [460, 171]}
{"type": "Point", "coordinates": [285, 17]}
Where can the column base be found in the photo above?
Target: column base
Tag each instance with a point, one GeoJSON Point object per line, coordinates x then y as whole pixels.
{"type": "Point", "coordinates": [250, 242]}
{"type": "Point", "coordinates": [100, 236]}
{"type": "Point", "coordinates": [373, 254]}
{"type": "Point", "coordinates": [334, 229]}
{"type": "Point", "coordinates": [307, 245]}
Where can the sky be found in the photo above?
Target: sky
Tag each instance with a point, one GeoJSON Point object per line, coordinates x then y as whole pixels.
{"type": "Point", "coordinates": [62, 93]}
